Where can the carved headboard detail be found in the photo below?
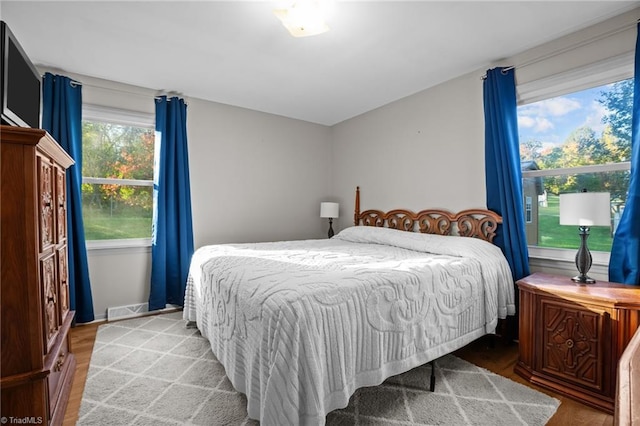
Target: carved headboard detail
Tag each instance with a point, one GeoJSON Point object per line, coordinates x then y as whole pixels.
{"type": "Point", "coordinates": [478, 223]}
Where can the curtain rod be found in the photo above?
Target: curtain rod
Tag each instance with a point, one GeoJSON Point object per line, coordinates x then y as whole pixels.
{"type": "Point", "coordinates": [569, 48]}
{"type": "Point", "coordinates": [72, 82]}
{"type": "Point", "coordinates": [75, 83]}
{"type": "Point", "coordinates": [169, 96]}
{"type": "Point", "coordinates": [159, 93]}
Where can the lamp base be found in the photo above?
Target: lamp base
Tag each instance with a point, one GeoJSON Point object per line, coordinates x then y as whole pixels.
{"type": "Point", "coordinates": [583, 259]}
{"type": "Point", "coordinates": [583, 279]}
{"type": "Point", "coordinates": [330, 233]}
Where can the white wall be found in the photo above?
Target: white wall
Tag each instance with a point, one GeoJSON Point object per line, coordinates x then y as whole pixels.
{"type": "Point", "coordinates": [424, 151]}
{"type": "Point", "coordinates": [255, 176]}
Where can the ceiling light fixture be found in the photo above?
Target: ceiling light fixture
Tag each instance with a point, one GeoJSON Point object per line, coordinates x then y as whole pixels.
{"type": "Point", "coordinates": [303, 18]}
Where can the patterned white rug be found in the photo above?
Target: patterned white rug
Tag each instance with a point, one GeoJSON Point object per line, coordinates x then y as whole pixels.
{"type": "Point", "coordinates": [155, 371]}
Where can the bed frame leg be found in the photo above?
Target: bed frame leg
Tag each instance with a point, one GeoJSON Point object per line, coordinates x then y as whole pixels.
{"type": "Point", "coordinates": [432, 384]}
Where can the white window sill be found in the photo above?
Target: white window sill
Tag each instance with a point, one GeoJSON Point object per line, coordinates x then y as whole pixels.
{"type": "Point", "coordinates": [110, 246]}
{"type": "Point", "coordinates": [566, 255]}
{"type": "Point", "coordinates": [563, 261]}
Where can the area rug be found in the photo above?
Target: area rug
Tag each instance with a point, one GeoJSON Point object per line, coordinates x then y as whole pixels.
{"type": "Point", "coordinates": [155, 371]}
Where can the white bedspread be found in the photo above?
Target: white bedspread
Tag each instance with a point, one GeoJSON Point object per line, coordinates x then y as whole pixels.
{"type": "Point", "coordinates": [300, 325]}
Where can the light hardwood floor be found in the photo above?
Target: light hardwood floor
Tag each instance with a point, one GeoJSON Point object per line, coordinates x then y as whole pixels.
{"type": "Point", "coordinates": [499, 359]}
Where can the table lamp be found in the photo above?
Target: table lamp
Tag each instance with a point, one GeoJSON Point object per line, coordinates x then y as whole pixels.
{"type": "Point", "coordinates": [585, 209]}
{"type": "Point", "coordinates": [331, 211]}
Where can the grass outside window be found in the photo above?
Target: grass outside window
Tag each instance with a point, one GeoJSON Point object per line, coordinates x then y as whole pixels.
{"type": "Point", "coordinates": [552, 234]}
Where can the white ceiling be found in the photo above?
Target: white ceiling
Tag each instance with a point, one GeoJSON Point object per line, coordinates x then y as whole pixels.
{"type": "Point", "coordinates": [238, 53]}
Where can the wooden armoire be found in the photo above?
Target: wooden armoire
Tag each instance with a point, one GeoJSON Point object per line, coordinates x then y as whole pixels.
{"type": "Point", "coordinates": [37, 364]}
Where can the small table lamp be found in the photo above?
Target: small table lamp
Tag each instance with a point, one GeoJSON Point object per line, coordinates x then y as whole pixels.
{"type": "Point", "coordinates": [585, 209]}
{"type": "Point", "coordinates": [330, 210]}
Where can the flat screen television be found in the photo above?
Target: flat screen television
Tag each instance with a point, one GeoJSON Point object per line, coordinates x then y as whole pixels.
{"type": "Point", "coordinates": [19, 85]}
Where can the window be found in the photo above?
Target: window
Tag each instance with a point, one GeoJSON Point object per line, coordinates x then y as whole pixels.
{"type": "Point", "coordinates": [580, 140]}
{"type": "Point", "coordinates": [528, 209]}
{"type": "Point", "coordinates": [117, 170]}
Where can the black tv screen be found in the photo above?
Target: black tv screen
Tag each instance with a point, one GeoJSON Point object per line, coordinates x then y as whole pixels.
{"type": "Point", "coordinates": [20, 84]}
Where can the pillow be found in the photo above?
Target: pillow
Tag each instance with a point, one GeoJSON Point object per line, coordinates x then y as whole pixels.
{"type": "Point", "coordinates": [428, 243]}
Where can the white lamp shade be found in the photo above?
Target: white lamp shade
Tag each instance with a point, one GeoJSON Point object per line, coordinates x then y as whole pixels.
{"type": "Point", "coordinates": [585, 209]}
{"type": "Point", "coordinates": [330, 210]}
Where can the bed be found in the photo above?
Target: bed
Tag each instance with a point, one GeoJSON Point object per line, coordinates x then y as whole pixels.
{"type": "Point", "coordinates": [300, 325]}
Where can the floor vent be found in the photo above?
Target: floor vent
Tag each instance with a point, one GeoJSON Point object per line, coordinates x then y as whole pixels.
{"type": "Point", "coordinates": [137, 310]}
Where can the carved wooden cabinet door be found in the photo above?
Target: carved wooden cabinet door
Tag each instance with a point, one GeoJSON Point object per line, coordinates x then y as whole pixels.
{"type": "Point", "coordinates": [573, 339]}
{"type": "Point", "coordinates": [63, 282]}
{"type": "Point", "coordinates": [61, 206]}
{"type": "Point", "coordinates": [46, 201]}
{"type": "Point", "coordinates": [50, 312]}
{"type": "Point", "coordinates": [61, 240]}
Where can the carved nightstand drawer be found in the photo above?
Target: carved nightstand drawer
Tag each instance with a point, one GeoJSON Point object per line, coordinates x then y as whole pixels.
{"type": "Point", "coordinates": [572, 336]}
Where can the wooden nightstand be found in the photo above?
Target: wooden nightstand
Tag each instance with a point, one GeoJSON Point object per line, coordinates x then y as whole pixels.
{"type": "Point", "coordinates": [571, 336]}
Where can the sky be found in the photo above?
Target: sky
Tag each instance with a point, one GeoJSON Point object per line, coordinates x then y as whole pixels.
{"type": "Point", "coordinates": [552, 120]}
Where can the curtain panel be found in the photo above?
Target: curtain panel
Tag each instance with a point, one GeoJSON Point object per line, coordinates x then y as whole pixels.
{"type": "Point", "coordinates": [172, 235]}
{"type": "Point", "coordinates": [624, 263]}
{"type": "Point", "coordinates": [62, 118]}
{"type": "Point", "coordinates": [502, 167]}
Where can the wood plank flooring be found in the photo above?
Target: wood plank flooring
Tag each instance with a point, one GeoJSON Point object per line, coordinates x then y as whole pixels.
{"type": "Point", "coordinates": [82, 339]}
{"type": "Point", "coordinates": [499, 359]}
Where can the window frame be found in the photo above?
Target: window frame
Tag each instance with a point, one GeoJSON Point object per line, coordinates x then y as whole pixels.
{"type": "Point", "coordinates": [611, 70]}
{"type": "Point", "coordinates": [599, 257]}
{"type": "Point", "coordinates": [103, 114]}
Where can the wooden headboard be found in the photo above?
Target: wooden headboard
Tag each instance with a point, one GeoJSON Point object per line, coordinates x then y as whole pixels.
{"type": "Point", "coordinates": [478, 223]}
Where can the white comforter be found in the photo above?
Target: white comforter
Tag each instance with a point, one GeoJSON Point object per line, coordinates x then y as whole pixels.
{"type": "Point", "coordinates": [300, 325]}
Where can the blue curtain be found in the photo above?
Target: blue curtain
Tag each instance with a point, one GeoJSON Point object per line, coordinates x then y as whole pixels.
{"type": "Point", "coordinates": [172, 240]}
{"type": "Point", "coordinates": [62, 118]}
{"type": "Point", "coordinates": [502, 165]}
{"type": "Point", "coordinates": [624, 264]}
